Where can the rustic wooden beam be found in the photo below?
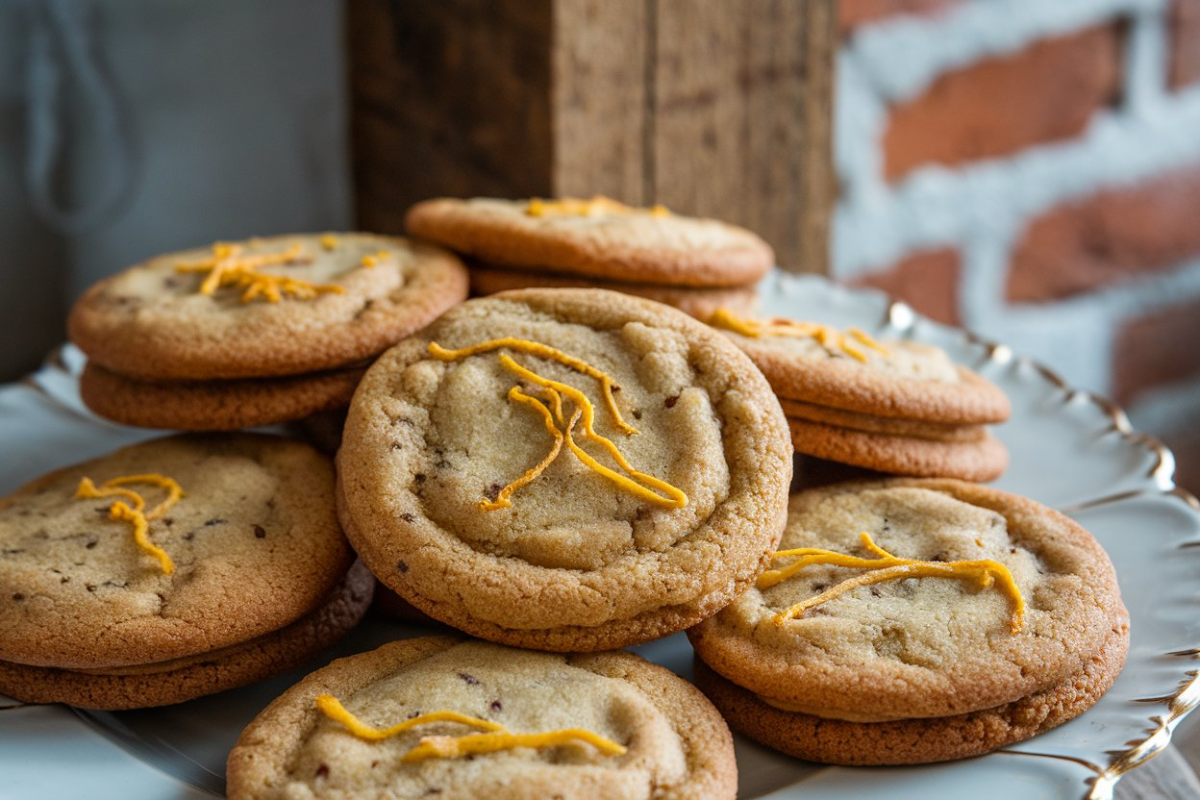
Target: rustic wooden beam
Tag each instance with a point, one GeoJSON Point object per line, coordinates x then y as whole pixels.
{"type": "Point", "coordinates": [712, 107]}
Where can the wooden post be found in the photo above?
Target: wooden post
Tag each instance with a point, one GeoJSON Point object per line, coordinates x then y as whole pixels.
{"type": "Point", "coordinates": [713, 107]}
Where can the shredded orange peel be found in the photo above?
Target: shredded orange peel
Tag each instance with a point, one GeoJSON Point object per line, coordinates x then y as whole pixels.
{"type": "Point", "coordinates": [229, 267]}
{"type": "Point", "coordinates": [134, 511]}
{"type": "Point", "coordinates": [826, 336]}
{"type": "Point", "coordinates": [496, 738]}
{"type": "Point", "coordinates": [595, 207]}
{"type": "Point", "coordinates": [644, 486]}
{"type": "Point", "coordinates": [373, 259]}
{"type": "Point", "coordinates": [887, 567]}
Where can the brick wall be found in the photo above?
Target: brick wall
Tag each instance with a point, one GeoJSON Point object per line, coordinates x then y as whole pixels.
{"type": "Point", "coordinates": [1031, 170]}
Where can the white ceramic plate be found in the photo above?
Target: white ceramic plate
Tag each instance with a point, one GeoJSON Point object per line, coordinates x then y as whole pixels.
{"type": "Point", "coordinates": [1069, 450]}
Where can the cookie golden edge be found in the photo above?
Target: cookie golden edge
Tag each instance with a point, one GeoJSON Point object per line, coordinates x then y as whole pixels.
{"type": "Point", "coordinates": [513, 243]}
{"type": "Point", "coordinates": [218, 405]}
{"type": "Point", "coordinates": [378, 541]}
{"type": "Point", "coordinates": [438, 283]}
{"type": "Point", "coordinates": [258, 762]}
{"type": "Point", "coordinates": [205, 673]}
{"type": "Point", "coordinates": [916, 741]}
{"type": "Point", "coordinates": [981, 461]}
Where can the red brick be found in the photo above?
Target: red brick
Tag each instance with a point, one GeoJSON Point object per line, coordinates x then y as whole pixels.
{"type": "Point", "coordinates": [1156, 349]}
{"type": "Point", "coordinates": [855, 13]}
{"type": "Point", "coordinates": [1184, 24]}
{"type": "Point", "coordinates": [995, 107]}
{"type": "Point", "coordinates": [1108, 238]}
{"type": "Point", "coordinates": [927, 281]}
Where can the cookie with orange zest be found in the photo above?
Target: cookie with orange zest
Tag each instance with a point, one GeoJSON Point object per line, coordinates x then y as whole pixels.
{"type": "Point", "coordinates": [565, 470]}
{"type": "Point", "coordinates": [172, 569]}
{"type": "Point", "coordinates": [439, 716]}
{"type": "Point", "coordinates": [907, 621]}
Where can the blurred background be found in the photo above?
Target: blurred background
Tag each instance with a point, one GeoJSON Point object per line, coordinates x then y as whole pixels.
{"type": "Point", "coordinates": [1027, 169]}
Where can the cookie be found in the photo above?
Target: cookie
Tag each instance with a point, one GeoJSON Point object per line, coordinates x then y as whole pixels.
{"type": "Point", "coordinates": [533, 725]}
{"type": "Point", "coordinates": [338, 300]}
{"type": "Point", "coordinates": [699, 303]}
{"type": "Point", "coordinates": [991, 619]}
{"type": "Point", "coordinates": [983, 459]}
{"type": "Point", "coordinates": [218, 405]}
{"type": "Point", "coordinates": [849, 370]}
{"type": "Point", "coordinates": [463, 488]}
{"type": "Point", "coordinates": [598, 239]}
{"type": "Point", "coordinates": [177, 680]}
{"type": "Point", "coordinates": [891, 426]}
{"type": "Point", "coordinates": [168, 549]}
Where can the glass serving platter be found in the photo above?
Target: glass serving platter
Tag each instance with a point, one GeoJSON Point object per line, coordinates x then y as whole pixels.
{"type": "Point", "coordinates": [1069, 449]}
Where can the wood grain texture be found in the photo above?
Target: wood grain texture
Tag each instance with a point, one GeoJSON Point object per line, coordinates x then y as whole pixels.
{"type": "Point", "coordinates": [717, 108]}
{"type": "Point", "coordinates": [1167, 777]}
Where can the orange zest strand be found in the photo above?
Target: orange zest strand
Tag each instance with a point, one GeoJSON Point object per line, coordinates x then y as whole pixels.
{"type": "Point", "coordinates": [532, 474]}
{"type": "Point", "coordinates": [331, 707]}
{"type": "Point", "coordinates": [229, 267]}
{"type": "Point", "coordinates": [543, 351]}
{"type": "Point", "coordinates": [886, 567]}
{"type": "Point", "coordinates": [674, 497]}
{"type": "Point", "coordinates": [597, 206]}
{"type": "Point", "coordinates": [496, 738]}
{"type": "Point", "coordinates": [134, 511]}
{"type": "Point", "coordinates": [328, 241]}
{"type": "Point", "coordinates": [828, 337]}
{"type": "Point", "coordinates": [373, 259]}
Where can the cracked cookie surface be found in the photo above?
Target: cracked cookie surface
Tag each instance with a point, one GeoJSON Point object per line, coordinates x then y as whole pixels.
{"type": "Point", "coordinates": [577, 562]}
{"type": "Point", "coordinates": [255, 543]}
{"type": "Point", "coordinates": [676, 743]}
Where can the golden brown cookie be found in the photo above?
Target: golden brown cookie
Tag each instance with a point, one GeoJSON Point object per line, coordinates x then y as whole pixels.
{"type": "Point", "coordinates": [936, 619]}
{"type": "Point", "coordinates": [598, 239]}
{"type": "Point", "coordinates": [436, 443]}
{"type": "Point", "coordinates": [177, 680]}
{"type": "Point", "coordinates": [605, 725]}
{"type": "Point", "coordinates": [982, 459]}
{"type": "Point", "coordinates": [851, 371]}
{"type": "Point", "coordinates": [176, 548]}
{"type": "Point", "coordinates": [891, 426]}
{"type": "Point", "coordinates": [699, 302]}
{"type": "Point", "coordinates": [341, 299]}
{"type": "Point", "coordinates": [218, 405]}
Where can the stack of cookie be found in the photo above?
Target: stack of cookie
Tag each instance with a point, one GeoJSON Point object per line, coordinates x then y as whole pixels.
{"type": "Point", "coordinates": [173, 569]}
{"type": "Point", "coordinates": [897, 406]}
{"type": "Point", "coordinates": [909, 621]}
{"type": "Point", "coordinates": [254, 333]}
{"type": "Point", "coordinates": [696, 265]}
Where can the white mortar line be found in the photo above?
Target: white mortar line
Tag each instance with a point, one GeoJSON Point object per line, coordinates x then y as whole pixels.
{"type": "Point", "coordinates": [903, 56]}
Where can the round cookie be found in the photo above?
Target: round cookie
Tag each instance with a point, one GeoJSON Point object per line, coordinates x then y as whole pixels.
{"type": "Point", "coordinates": [925, 650]}
{"type": "Point", "coordinates": [254, 542]}
{"type": "Point", "coordinates": [912, 381]}
{"type": "Point", "coordinates": [890, 426]}
{"type": "Point", "coordinates": [676, 744]}
{"type": "Point", "coordinates": [177, 680]}
{"type": "Point", "coordinates": [152, 322]}
{"type": "Point", "coordinates": [613, 242]}
{"type": "Point", "coordinates": [577, 562]}
{"type": "Point", "coordinates": [983, 459]}
{"type": "Point", "coordinates": [219, 405]}
{"type": "Point", "coordinates": [699, 303]}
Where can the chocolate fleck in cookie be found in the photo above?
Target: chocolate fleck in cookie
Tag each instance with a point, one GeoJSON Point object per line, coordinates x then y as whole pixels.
{"type": "Point", "coordinates": [170, 569]}
{"type": "Point", "coordinates": [565, 469]}
{"type": "Point", "coordinates": [218, 405]}
{"type": "Point", "coordinates": [597, 238]}
{"type": "Point", "coordinates": [851, 371]}
{"type": "Point", "coordinates": [266, 307]}
{"type": "Point", "coordinates": [906, 621]}
{"type": "Point", "coordinates": [699, 302]}
{"type": "Point", "coordinates": [437, 716]}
